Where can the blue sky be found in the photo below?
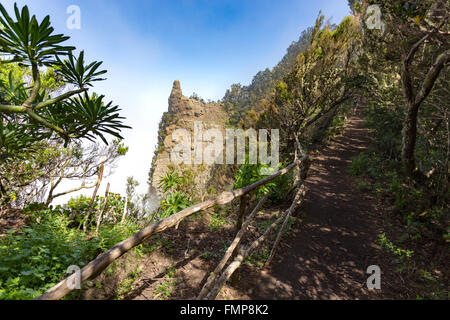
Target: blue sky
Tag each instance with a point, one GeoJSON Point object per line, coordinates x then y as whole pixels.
{"type": "Point", "coordinates": [207, 45]}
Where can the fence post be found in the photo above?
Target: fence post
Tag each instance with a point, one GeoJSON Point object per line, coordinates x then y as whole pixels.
{"type": "Point", "coordinates": [239, 222]}
{"type": "Point", "coordinates": [234, 247]}
{"type": "Point", "coordinates": [100, 212]}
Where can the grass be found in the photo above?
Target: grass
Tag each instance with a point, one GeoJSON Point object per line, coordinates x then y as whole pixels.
{"type": "Point", "coordinates": [258, 258]}
{"type": "Point", "coordinates": [126, 285]}
{"type": "Point", "coordinates": [206, 255]}
{"type": "Point", "coordinates": [164, 289]}
{"type": "Point", "coordinates": [217, 222]}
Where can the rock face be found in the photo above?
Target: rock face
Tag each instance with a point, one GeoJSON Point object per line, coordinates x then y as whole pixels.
{"type": "Point", "coordinates": [182, 113]}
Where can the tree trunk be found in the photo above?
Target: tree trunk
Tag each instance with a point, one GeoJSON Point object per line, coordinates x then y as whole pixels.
{"type": "Point", "coordinates": [242, 210]}
{"type": "Point", "coordinates": [409, 139]}
{"type": "Point", "coordinates": [125, 205]}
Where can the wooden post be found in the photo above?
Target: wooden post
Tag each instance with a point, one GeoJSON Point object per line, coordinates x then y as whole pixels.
{"type": "Point", "coordinates": [295, 203]}
{"type": "Point", "coordinates": [297, 169]}
{"type": "Point", "coordinates": [100, 213]}
{"type": "Point", "coordinates": [99, 180]}
{"type": "Point", "coordinates": [230, 251]}
{"type": "Point", "coordinates": [242, 210]}
{"type": "Point", "coordinates": [240, 220]}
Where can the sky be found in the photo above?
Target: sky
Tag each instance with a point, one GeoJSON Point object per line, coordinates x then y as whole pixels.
{"type": "Point", "coordinates": [146, 44]}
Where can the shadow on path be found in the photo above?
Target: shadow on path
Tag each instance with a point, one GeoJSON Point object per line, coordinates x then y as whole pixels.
{"type": "Point", "coordinates": [328, 254]}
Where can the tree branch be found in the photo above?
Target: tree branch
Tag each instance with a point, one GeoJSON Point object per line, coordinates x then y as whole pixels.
{"type": "Point", "coordinates": [73, 190]}
{"type": "Point", "coordinates": [46, 123]}
{"type": "Point", "coordinates": [59, 98]}
{"type": "Point", "coordinates": [12, 109]}
{"type": "Point", "coordinates": [432, 76]}
{"type": "Point", "coordinates": [36, 86]}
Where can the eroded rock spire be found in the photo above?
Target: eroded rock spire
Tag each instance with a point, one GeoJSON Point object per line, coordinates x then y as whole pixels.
{"type": "Point", "coordinates": [175, 96]}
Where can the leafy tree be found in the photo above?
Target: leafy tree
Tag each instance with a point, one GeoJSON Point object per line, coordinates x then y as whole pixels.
{"type": "Point", "coordinates": [132, 198]}
{"type": "Point", "coordinates": [239, 99]}
{"type": "Point", "coordinates": [322, 79]}
{"type": "Point", "coordinates": [28, 113]}
{"type": "Point", "coordinates": [77, 163]}
{"type": "Point", "coordinates": [416, 44]}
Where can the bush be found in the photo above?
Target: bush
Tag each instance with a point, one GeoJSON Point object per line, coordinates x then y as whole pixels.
{"type": "Point", "coordinates": [249, 174]}
{"type": "Point", "coordinates": [37, 258]}
{"type": "Point", "coordinates": [277, 188]}
{"type": "Point", "coordinates": [76, 209]}
{"type": "Point", "coordinates": [174, 202]}
{"type": "Point", "coordinates": [386, 127]}
{"type": "Point", "coordinates": [281, 187]}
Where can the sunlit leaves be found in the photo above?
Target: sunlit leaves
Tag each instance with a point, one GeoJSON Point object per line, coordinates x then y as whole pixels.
{"type": "Point", "coordinates": [38, 105]}
{"type": "Point", "coordinates": [74, 70]}
{"type": "Point", "coordinates": [27, 40]}
{"type": "Point", "coordinates": [11, 91]}
{"type": "Point", "coordinates": [88, 117]}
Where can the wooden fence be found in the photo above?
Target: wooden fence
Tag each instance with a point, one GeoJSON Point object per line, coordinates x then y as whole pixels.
{"type": "Point", "coordinates": [218, 278]}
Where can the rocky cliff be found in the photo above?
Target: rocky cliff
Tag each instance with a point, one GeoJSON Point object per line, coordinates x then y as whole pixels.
{"type": "Point", "coordinates": [182, 113]}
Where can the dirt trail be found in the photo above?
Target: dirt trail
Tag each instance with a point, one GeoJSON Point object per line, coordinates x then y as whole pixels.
{"type": "Point", "coordinates": [329, 252]}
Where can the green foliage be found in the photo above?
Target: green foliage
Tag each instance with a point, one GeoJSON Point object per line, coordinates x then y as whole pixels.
{"type": "Point", "coordinates": [421, 215]}
{"type": "Point", "coordinates": [366, 163]}
{"type": "Point", "coordinates": [36, 258]}
{"type": "Point", "coordinates": [30, 115]}
{"type": "Point", "coordinates": [165, 288]}
{"type": "Point", "coordinates": [171, 181]}
{"type": "Point", "coordinates": [206, 255]}
{"type": "Point", "coordinates": [88, 116]}
{"type": "Point", "coordinates": [76, 209]}
{"type": "Point", "coordinates": [402, 256]}
{"type": "Point", "coordinates": [337, 126]}
{"type": "Point", "coordinates": [281, 188]}
{"type": "Point", "coordinates": [277, 189]}
{"type": "Point", "coordinates": [359, 164]}
{"type": "Point", "coordinates": [173, 203]}
{"type": "Point", "coordinates": [28, 40]}
{"type": "Point", "coordinates": [217, 222]}
{"type": "Point", "coordinates": [126, 285]}
{"type": "Point", "coordinates": [258, 258]}
{"type": "Point", "coordinates": [179, 190]}
{"type": "Point", "coordinates": [75, 72]}
{"type": "Point", "coordinates": [386, 129]}
{"type": "Point", "coordinates": [251, 173]}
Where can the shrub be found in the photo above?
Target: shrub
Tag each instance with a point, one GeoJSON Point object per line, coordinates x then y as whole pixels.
{"type": "Point", "coordinates": [36, 258]}
{"type": "Point", "coordinates": [174, 203]}
{"type": "Point", "coordinates": [277, 188]}
{"type": "Point", "coordinates": [249, 174]}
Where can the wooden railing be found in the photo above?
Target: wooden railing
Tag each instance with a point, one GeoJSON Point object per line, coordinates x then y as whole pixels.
{"type": "Point", "coordinates": [218, 278]}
